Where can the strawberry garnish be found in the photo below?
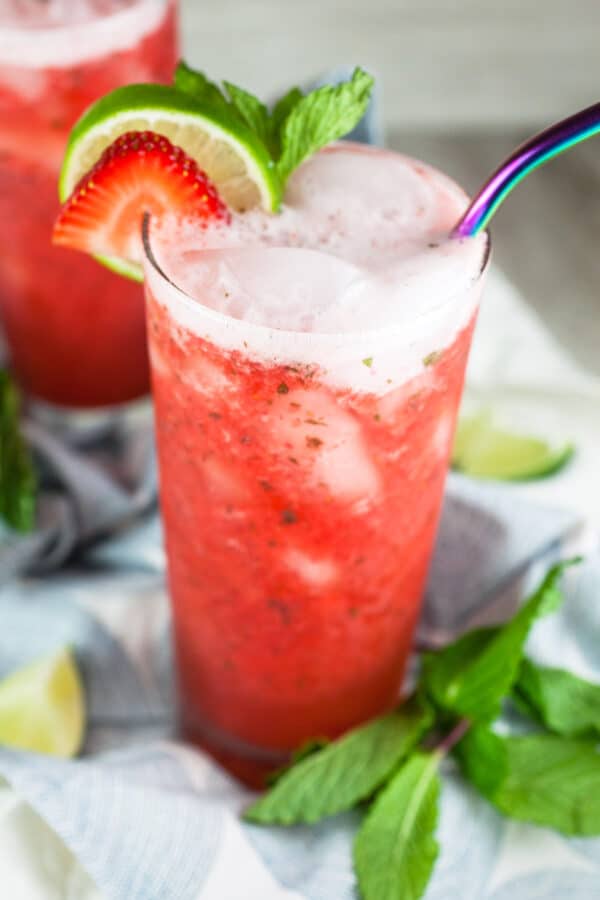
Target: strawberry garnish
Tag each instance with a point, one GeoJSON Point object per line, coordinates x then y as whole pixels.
{"type": "Point", "coordinates": [139, 173]}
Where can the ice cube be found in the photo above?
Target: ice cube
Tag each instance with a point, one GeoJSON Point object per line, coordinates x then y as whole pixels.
{"type": "Point", "coordinates": [159, 363]}
{"type": "Point", "coordinates": [316, 430]}
{"type": "Point", "coordinates": [223, 482]}
{"type": "Point", "coordinates": [442, 434]}
{"type": "Point", "coordinates": [391, 407]}
{"type": "Point", "coordinates": [315, 572]}
{"type": "Point", "coordinates": [204, 376]}
{"type": "Point", "coordinates": [283, 288]}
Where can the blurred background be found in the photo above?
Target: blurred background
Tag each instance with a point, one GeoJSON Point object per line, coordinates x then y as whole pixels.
{"type": "Point", "coordinates": [461, 84]}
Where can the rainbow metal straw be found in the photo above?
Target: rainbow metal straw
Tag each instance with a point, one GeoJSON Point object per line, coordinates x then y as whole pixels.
{"type": "Point", "coordinates": [529, 156]}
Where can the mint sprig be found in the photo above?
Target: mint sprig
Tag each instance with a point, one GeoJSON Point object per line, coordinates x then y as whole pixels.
{"type": "Point", "coordinates": [394, 762]}
{"type": "Point", "coordinates": [17, 476]}
{"type": "Point", "coordinates": [321, 117]}
{"type": "Point", "coordinates": [297, 126]}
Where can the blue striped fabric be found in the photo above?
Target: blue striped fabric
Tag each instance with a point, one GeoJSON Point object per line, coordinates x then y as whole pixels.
{"type": "Point", "coordinates": [152, 820]}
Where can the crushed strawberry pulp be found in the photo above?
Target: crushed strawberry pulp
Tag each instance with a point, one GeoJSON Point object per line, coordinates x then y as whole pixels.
{"type": "Point", "coordinates": [299, 521]}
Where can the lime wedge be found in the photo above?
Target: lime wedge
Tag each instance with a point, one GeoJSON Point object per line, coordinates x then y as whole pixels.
{"type": "Point", "coordinates": [485, 451]}
{"type": "Point", "coordinates": [42, 707]}
{"type": "Point", "coordinates": [229, 152]}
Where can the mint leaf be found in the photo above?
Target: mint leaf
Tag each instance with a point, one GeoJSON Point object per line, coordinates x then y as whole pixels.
{"type": "Point", "coordinates": [483, 759]}
{"type": "Point", "coordinates": [549, 781]}
{"type": "Point", "coordinates": [279, 114]}
{"type": "Point", "coordinates": [252, 111]}
{"type": "Point", "coordinates": [197, 85]}
{"type": "Point", "coordinates": [472, 676]}
{"type": "Point", "coordinates": [344, 772]}
{"type": "Point", "coordinates": [395, 849]}
{"type": "Point", "coordinates": [17, 476]}
{"type": "Point", "coordinates": [321, 117]}
{"type": "Point", "coordinates": [564, 703]}
{"type": "Point", "coordinates": [308, 748]}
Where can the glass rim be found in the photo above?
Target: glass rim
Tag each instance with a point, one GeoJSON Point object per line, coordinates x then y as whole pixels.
{"type": "Point", "coordinates": [197, 308]}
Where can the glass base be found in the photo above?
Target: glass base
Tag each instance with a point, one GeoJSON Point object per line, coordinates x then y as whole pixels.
{"type": "Point", "coordinates": [90, 427]}
{"type": "Point", "coordinates": [248, 763]}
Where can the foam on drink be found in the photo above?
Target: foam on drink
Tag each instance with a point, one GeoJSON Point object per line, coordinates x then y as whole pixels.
{"type": "Point", "coordinates": [357, 266]}
{"type": "Point", "coordinates": [63, 33]}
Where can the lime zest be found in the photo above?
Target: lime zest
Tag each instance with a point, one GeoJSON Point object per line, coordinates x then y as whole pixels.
{"type": "Point", "coordinates": [483, 450]}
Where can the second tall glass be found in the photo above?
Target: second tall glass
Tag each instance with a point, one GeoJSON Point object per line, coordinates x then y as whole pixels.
{"type": "Point", "coordinates": [75, 331]}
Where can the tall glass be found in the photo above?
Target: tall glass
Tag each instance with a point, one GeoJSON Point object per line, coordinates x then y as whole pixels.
{"type": "Point", "coordinates": [75, 331]}
{"type": "Point", "coordinates": [300, 507]}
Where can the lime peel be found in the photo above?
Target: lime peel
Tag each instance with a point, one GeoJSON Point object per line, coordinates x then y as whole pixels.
{"type": "Point", "coordinates": [230, 153]}
{"type": "Point", "coordinates": [483, 450]}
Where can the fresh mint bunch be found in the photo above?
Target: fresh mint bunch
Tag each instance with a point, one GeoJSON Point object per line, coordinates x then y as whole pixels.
{"type": "Point", "coordinates": [17, 476]}
{"type": "Point", "coordinates": [297, 126]}
{"type": "Point", "coordinates": [550, 777]}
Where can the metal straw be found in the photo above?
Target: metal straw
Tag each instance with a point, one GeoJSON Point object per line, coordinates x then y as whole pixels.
{"type": "Point", "coordinates": [529, 156]}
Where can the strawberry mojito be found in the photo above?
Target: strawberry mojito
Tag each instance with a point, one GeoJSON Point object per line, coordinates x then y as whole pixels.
{"type": "Point", "coordinates": [306, 392]}
{"type": "Point", "coordinates": [75, 331]}
{"type": "Point", "coordinates": [309, 325]}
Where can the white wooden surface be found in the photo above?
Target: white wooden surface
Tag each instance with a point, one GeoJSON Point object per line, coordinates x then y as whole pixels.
{"type": "Point", "coordinates": [442, 63]}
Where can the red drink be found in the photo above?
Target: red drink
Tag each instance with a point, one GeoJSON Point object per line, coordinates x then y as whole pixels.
{"type": "Point", "coordinates": [75, 331]}
{"type": "Point", "coordinates": [303, 454]}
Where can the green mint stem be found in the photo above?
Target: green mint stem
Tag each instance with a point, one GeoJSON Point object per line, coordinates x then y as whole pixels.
{"type": "Point", "coordinates": [454, 737]}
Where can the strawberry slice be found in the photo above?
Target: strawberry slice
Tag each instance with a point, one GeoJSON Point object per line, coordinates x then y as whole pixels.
{"type": "Point", "coordinates": [141, 172]}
